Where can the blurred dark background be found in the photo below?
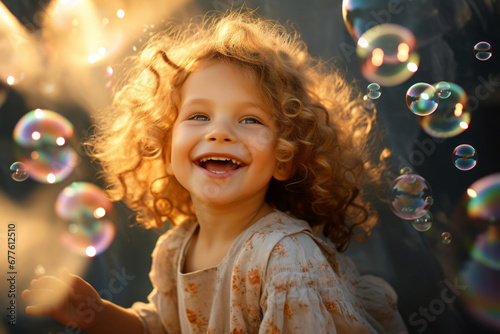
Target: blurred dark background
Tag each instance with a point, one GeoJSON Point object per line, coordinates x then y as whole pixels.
{"type": "Point", "coordinates": [416, 264]}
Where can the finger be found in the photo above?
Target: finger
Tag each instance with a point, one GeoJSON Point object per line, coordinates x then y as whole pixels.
{"type": "Point", "coordinates": [48, 282]}
{"type": "Point", "coordinates": [39, 310]}
{"type": "Point", "coordinates": [26, 295]}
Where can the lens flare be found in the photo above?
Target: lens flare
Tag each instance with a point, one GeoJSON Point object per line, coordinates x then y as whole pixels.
{"type": "Point", "coordinates": [88, 216]}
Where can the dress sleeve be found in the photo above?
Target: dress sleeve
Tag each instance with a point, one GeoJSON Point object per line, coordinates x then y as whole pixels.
{"type": "Point", "coordinates": [148, 314]}
{"type": "Point", "coordinates": [303, 294]}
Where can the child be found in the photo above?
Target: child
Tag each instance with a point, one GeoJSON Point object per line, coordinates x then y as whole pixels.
{"type": "Point", "coordinates": [231, 131]}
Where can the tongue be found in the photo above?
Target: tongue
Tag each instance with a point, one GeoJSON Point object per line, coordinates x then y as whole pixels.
{"type": "Point", "coordinates": [219, 166]}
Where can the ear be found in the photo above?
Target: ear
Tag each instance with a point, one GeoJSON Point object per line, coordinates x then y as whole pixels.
{"type": "Point", "coordinates": [282, 171]}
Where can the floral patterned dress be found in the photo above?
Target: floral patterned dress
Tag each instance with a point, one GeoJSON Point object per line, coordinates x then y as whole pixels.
{"type": "Point", "coordinates": [276, 278]}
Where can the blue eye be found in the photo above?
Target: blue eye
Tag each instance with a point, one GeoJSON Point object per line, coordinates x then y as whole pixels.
{"type": "Point", "coordinates": [199, 117]}
{"type": "Point", "coordinates": [250, 120]}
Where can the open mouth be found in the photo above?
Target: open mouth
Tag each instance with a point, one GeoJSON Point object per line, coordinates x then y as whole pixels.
{"type": "Point", "coordinates": [219, 164]}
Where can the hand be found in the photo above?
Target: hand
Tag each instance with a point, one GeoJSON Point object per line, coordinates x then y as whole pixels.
{"type": "Point", "coordinates": [68, 299]}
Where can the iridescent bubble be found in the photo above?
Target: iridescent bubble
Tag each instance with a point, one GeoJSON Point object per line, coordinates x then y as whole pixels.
{"type": "Point", "coordinates": [373, 91]}
{"type": "Point", "coordinates": [422, 99]}
{"type": "Point", "coordinates": [443, 89]}
{"type": "Point", "coordinates": [486, 248]}
{"type": "Point", "coordinates": [482, 50]}
{"type": "Point", "coordinates": [369, 103]}
{"type": "Point", "coordinates": [464, 157]}
{"type": "Point", "coordinates": [406, 170]}
{"type": "Point", "coordinates": [411, 196]}
{"type": "Point", "coordinates": [446, 238]}
{"type": "Point", "coordinates": [451, 116]}
{"type": "Point", "coordinates": [481, 297]}
{"type": "Point", "coordinates": [423, 223]}
{"type": "Point", "coordinates": [484, 198]}
{"type": "Point", "coordinates": [18, 171]}
{"type": "Point", "coordinates": [387, 54]}
{"type": "Point", "coordinates": [88, 216]}
{"type": "Point", "coordinates": [45, 145]}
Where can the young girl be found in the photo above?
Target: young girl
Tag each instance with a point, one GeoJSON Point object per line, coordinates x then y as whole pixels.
{"type": "Point", "coordinates": [234, 134]}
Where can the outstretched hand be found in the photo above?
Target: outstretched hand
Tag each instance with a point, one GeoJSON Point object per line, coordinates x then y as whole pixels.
{"type": "Point", "coordinates": [68, 299]}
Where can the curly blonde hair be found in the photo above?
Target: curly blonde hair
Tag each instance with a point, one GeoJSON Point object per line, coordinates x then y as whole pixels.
{"type": "Point", "coordinates": [323, 136]}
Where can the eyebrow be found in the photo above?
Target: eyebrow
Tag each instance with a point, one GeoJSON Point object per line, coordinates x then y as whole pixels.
{"type": "Point", "coordinates": [203, 101]}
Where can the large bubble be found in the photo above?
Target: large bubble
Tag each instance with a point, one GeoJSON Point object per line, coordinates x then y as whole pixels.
{"type": "Point", "coordinates": [484, 198]}
{"type": "Point", "coordinates": [451, 116]}
{"type": "Point", "coordinates": [45, 145]}
{"type": "Point", "coordinates": [480, 293]}
{"type": "Point", "coordinates": [387, 54]}
{"type": "Point", "coordinates": [88, 217]}
{"type": "Point", "coordinates": [411, 196]}
{"type": "Point", "coordinates": [422, 99]}
{"type": "Point", "coordinates": [486, 248]}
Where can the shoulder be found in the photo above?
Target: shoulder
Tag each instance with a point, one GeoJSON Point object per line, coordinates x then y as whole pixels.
{"type": "Point", "coordinates": [166, 254]}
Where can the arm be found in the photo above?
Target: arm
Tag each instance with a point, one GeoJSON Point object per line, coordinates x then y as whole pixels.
{"type": "Point", "coordinates": [75, 303]}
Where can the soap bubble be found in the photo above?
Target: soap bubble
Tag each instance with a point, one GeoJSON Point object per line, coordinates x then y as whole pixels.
{"type": "Point", "coordinates": [422, 99]}
{"type": "Point", "coordinates": [369, 103]}
{"type": "Point", "coordinates": [373, 91]}
{"type": "Point", "coordinates": [45, 142]}
{"type": "Point", "coordinates": [40, 270]}
{"type": "Point", "coordinates": [423, 223]}
{"type": "Point", "coordinates": [446, 238]}
{"type": "Point", "coordinates": [406, 170]}
{"type": "Point", "coordinates": [482, 50]}
{"type": "Point", "coordinates": [464, 157]}
{"type": "Point", "coordinates": [485, 200]}
{"type": "Point", "coordinates": [387, 54]}
{"type": "Point", "coordinates": [411, 196]}
{"type": "Point", "coordinates": [18, 171]}
{"type": "Point", "coordinates": [88, 216]}
{"type": "Point", "coordinates": [486, 249]}
{"type": "Point", "coordinates": [451, 116]}
{"type": "Point", "coordinates": [443, 89]}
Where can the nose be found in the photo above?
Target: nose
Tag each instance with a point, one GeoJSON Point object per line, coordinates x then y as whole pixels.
{"type": "Point", "coordinates": [220, 131]}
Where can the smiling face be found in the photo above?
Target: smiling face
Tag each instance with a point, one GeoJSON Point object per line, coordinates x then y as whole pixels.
{"type": "Point", "coordinates": [223, 141]}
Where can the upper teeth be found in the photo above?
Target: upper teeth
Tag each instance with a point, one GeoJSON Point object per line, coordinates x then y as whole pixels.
{"type": "Point", "coordinates": [234, 161]}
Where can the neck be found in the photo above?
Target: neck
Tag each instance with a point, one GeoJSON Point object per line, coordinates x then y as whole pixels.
{"type": "Point", "coordinates": [220, 225]}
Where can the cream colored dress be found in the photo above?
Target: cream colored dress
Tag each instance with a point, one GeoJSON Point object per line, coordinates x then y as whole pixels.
{"type": "Point", "coordinates": [276, 278]}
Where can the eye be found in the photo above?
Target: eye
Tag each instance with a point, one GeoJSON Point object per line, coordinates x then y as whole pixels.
{"type": "Point", "coordinates": [250, 120]}
{"type": "Point", "coordinates": [198, 117]}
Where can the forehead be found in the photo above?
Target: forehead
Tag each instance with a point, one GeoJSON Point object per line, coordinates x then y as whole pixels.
{"type": "Point", "coordinates": [219, 80]}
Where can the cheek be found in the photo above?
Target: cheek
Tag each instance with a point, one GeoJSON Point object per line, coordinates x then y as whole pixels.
{"type": "Point", "coordinates": [262, 141]}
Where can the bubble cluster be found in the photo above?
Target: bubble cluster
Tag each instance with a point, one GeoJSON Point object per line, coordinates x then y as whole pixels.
{"type": "Point", "coordinates": [373, 91]}
{"type": "Point", "coordinates": [423, 223]}
{"type": "Point", "coordinates": [464, 157]}
{"type": "Point", "coordinates": [422, 99]}
{"type": "Point", "coordinates": [484, 198]}
{"type": "Point", "coordinates": [88, 217]}
{"type": "Point", "coordinates": [446, 238]}
{"type": "Point", "coordinates": [482, 51]}
{"type": "Point", "coordinates": [451, 116]}
{"type": "Point", "coordinates": [387, 54]}
{"type": "Point", "coordinates": [411, 196]}
{"type": "Point", "coordinates": [18, 171]}
{"type": "Point", "coordinates": [45, 144]}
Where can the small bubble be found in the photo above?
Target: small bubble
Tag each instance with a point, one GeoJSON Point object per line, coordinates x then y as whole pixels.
{"type": "Point", "coordinates": [423, 223]}
{"type": "Point", "coordinates": [443, 89]}
{"type": "Point", "coordinates": [446, 238]}
{"type": "Point", "coordinates": [409, 196]}
{"type": "Point", "coordinates": [422, 99]}
{"type": "Point", "coordinates": [369, 104]}
{"type": "Point", "coordinates": [373, 91]}
{"type": "Point", "coordinates": [482, 51]}
{"type": "Point", "coordinates": [464, 157]}
{"type": "Point", "coordinates": [405, 170]}
{"type": "Point", "coordinates": [18, 171]}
